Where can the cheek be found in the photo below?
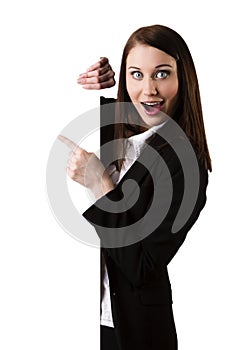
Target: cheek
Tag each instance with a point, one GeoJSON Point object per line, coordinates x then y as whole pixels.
{"type": "Point", "coordinates": [172, 90]}
{"type": "Point", "coordinates": [133, 88]}
{"type": "Point", "coordinates": [174, 94]}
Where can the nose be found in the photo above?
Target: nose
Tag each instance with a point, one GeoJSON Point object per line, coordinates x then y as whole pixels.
{"type": "Point", "coordinates": [149, 88]}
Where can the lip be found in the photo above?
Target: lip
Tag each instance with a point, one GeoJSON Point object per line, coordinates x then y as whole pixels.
{"type": "Point", "coordinates": [152, 110]}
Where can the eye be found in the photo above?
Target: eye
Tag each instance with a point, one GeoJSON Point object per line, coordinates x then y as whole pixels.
{"type": "Point", "coordinates": [162, 74]}
{"type": "Point", "coordinates": [137, 75]}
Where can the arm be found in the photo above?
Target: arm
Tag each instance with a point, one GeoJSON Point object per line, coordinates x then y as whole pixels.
{"type": "Point", "coordinates": [144, 260]}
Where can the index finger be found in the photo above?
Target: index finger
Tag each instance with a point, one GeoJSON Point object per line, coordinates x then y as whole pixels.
{"type": "Point", "coordinates": [72, 145]}
{"type": "Point", "coordinates": [102, 62]}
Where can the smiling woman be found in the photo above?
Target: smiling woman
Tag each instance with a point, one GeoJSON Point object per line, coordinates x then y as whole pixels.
{"type": "Point", "coordinates": [158, 94]}
{"type": "Point", "coordinates": [164, 46]}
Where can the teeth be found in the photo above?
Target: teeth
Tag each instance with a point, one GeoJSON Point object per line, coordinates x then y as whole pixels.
{"type": "Point", "coordinates": [151, 103]}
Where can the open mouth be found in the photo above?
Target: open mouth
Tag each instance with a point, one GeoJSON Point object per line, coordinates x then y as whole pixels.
{"type": "Point", "coordinates": [152, 108]}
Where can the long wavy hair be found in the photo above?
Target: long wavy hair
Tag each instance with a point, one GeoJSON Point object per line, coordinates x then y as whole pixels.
{"type": "Point", "coordinates": [188, 112]}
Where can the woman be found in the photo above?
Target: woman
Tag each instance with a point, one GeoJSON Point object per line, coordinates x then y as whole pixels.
{"type": "Point", "coordinates": [157, 78]}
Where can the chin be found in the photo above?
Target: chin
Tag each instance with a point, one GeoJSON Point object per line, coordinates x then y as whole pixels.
{"type": "Point", "coordinates": [153, 121]}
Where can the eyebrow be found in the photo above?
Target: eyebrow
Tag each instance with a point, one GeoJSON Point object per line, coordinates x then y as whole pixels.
{"type": "Point", "coordinates": [159, 65]}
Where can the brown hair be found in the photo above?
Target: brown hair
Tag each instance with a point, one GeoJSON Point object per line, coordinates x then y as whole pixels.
{"type": "Point", "coordinates": [188, 112]}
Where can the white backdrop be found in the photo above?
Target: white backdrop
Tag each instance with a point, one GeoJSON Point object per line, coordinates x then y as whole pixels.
{"type": "Point", "coordinates": [49, 294]}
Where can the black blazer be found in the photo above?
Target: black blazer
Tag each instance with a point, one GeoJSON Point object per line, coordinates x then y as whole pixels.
{"type": "Point", "coordinates": [141, 295]}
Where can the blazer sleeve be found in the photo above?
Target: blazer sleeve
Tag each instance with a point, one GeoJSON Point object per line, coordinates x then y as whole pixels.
{"type": "Point", "coordinates": [142, 262]}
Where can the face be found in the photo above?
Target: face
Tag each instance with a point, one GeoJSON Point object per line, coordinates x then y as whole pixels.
{"type": "Point", "coordinates": [152, 83]}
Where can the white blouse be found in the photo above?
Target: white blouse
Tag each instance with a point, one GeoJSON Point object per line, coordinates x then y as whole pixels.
{"type": "Point", "coordinates": [135, 145]}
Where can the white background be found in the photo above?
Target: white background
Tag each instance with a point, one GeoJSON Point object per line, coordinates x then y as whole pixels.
{"type": "Point", "coordinates": [49, 281]}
